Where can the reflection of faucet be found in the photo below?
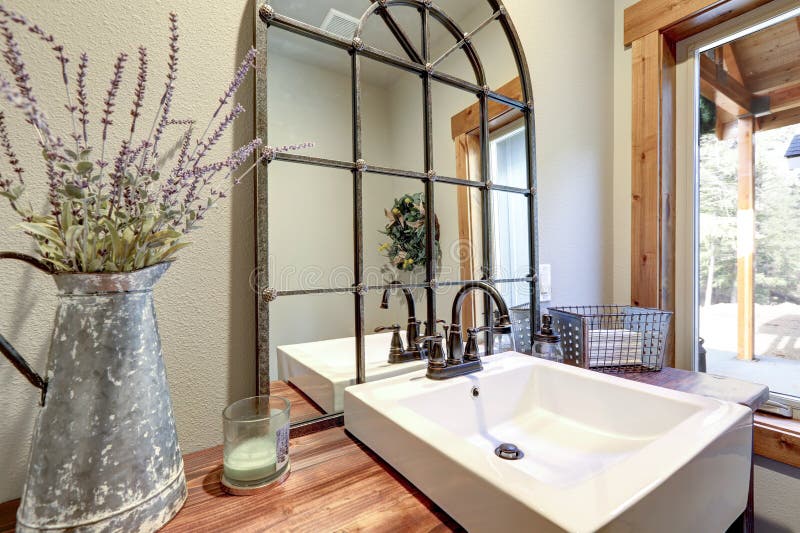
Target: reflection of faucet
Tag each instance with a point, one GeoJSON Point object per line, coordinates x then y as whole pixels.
{"type": "Point", "coordinates": [458, 363]}
{"type": "Point", "coordinates": [415, 351]}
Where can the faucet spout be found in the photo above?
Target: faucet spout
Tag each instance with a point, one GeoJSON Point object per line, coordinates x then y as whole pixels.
{"type": "Point", "coordinates": [412, 312]}
{"type": "Point", "coordinates": [455, 349]}
{"type": "Point", "coordinates": [503, 323]}
{"type": "Point", "coordinates": [415, 350]}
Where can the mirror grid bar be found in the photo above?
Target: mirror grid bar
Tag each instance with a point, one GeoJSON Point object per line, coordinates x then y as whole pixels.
{"type": "Point", "coordinates": [369, 288]}
{"type": "Point", "coordinates": [358, 221]}
{"type": "Point", "coordinates": [370, 52]}
{"type": "Point", "coordinates": [409, 174]}
{"type": "Point", "coordinates": [419, 64]}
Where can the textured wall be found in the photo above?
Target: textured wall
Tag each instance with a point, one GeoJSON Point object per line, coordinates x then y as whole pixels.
{"type": "Point", "coordinates": [204, 303]}
{"type": "Point", "coordinates": [205, 307]}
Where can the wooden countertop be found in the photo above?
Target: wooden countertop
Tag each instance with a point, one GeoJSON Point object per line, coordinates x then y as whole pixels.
{"type": "Point", "coordinates": [752, 395]}
{"type": "Point", "coordinates": [337, 484]}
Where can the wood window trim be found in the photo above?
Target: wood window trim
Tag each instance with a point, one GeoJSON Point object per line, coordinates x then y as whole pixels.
{"type": "Point", "coordinates": [465, 131]}
{"type": "Point", "coordinates": [777, 438]}
{"type": "Point", "coordinates": [652, 28]}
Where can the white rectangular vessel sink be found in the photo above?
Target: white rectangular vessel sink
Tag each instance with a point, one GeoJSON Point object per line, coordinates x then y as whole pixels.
{"type": "Point", "coordinates": [600, 453]}
{"type": "Point", "coordinates": [322, 369]}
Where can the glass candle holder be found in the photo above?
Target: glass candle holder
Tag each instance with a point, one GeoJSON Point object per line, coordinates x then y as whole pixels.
{"type": "Point", "coordinates": [256, 451]}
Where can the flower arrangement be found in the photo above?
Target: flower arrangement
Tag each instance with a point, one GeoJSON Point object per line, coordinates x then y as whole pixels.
{"type": "Point", "coordinates": [406, 231]}
{"type": "Point", "coordinates": [117, 209]}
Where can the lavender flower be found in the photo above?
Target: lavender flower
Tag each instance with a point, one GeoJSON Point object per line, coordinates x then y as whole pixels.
{"type": "Point", "coordinates": [5, 142]}
{"type": "Point", "coordinates": [32, 113]}
{"type": "Point", "coordinates": [236, 82]}
{"type": "Point", "coordinates": [138, 93]}
{"type": "Point", "coordinates": [60, 55]}
{"type": "Point", "coordinates": [82, 97]}
{"type": "Point", "coordinates": [141, 219]}
{"type": "Point", "coordinates": [111, 93]}
{"type": "Point", "coordinates": [205, 146]}
{"type": "Point", "coordinates": [13, 58]}
{"type": "Point", "coordinates": [247, 63]}
{"type": "Point", "coordinates": [169, 86]}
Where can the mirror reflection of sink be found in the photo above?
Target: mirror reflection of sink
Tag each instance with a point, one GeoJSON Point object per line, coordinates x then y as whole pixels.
{"type": "Point", "coordinates": [322, 369]}
{"type": "Point", "coordinates": [600, 453]}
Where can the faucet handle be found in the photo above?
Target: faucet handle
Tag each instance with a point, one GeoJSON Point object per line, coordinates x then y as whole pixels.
{"type": "Point", "coordinates": [471, 352]}
{"type": "Point", "coordinates": [435, 349]}
{"type": "Point", "coordinates": [396, 349]}
{"type": "Point", "coordinates": [439, 321]}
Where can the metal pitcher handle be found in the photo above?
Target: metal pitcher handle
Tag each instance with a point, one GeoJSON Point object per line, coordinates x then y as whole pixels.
{"type": "Point", "coordinates": [9, 351]}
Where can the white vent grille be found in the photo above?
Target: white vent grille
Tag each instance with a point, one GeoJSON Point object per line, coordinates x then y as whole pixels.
{"type": "Point", "coordinates": [340, 23]}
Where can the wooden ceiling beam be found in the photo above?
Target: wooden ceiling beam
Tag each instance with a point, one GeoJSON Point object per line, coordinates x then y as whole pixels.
{"type": "Point", "coordinates": [775, 79]}
{"type": "Point", "coordinates": [681, 18]}
{"type": "Point", "coordinates": [785, 98]}
{"type": "Point", "coordinates": [780, 119]}
{"type": "Point", "coordinates": [732, 64]}
{"type": "Point", "coordinates": [723, 89]}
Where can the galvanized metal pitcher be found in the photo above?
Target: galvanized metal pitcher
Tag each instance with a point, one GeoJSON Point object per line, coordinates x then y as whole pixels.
{"type": "Point", "coordinates": [105, 453]}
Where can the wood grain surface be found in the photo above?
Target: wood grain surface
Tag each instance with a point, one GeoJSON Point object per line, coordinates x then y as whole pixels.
{"type": "Point", "coordinates": [337, 484]}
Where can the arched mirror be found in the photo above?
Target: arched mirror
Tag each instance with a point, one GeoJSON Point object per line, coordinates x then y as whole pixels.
{"type": "Point", "coordinates": [421, 179]}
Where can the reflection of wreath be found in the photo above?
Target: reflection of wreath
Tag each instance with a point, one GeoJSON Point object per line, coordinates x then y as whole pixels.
{"type": "Point", "coordinates": [406, 231]}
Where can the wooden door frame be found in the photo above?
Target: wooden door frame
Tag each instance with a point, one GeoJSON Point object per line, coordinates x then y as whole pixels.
{"type": "Point", "coordinates": [465, 131]}
{"type": "Point", "coordinates": [652, 28]}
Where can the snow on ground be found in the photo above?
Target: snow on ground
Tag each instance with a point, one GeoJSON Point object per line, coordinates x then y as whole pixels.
{"type": "Point", "coordinates": [777, 345]}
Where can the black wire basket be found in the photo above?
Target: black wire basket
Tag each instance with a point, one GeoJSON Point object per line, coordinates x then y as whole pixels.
{"type": "Point", "coordinates": [612, 338]}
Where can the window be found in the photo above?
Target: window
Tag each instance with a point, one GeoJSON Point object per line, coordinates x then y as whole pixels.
{"type": "Point", "coordinates": [509, 211]}
{"type": "Point", "coordinates": [748, 206]}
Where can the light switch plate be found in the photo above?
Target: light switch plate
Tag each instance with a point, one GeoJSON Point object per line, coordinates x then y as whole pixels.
{"type": "Point", "coordinates": [545, 283]}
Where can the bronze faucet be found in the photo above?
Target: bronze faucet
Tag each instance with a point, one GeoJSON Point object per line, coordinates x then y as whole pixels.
{"type": "Point", "coordinates": [414, 351]}
{"type": "Point", "coordinates": [459, 363]}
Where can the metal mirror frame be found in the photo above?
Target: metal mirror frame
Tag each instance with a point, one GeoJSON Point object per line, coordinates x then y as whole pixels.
{"type": "Point", "coordinates": [420, 63]}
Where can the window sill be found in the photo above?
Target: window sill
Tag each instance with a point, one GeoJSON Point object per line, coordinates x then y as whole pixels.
{"type": "Point", "coordinates": [777, 438]}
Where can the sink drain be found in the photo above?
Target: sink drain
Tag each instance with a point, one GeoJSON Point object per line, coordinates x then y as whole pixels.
{"type": "Point", "coordinates": [508, 451]}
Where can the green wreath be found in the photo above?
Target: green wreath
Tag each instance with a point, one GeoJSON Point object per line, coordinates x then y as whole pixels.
{"type": "Point", "coordinates": [405, 248]}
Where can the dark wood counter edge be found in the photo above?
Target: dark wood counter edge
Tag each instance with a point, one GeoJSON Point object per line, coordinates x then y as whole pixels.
{"type": "Point", "coordinates": [749, 394]}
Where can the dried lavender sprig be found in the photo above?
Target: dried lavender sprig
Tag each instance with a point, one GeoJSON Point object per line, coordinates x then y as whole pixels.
{"type": "Point", "coordinates": [33, 115]}
{"type": "Point", "coordinates": [169, 86]}
{"type": "Point", "coordinates": [183, 154]}
{"type": "Point", "coordinates": [139, 91]}
{"type": "Point", "coordinates": [205, 146]}
{"type": "Point", "coordinates": [82, 96]}
{"type": "Point", "coordinates": [267, 153]}
{"type": "Point", "coordinates": [13, 58]}
{"type": "Point", "coordinates": [108, 109]}
{"type": "Point", "coordinates": [241, 73]}
{"type": "Point", "coordinates": [5, 142]}
{"type": "Point", "coordinates": [60, 55]}
{"type": "Point", "coordinates": [195, 180]}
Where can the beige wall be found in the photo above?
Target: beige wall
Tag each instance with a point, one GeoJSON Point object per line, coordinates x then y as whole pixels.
{"type": "Point", "coordinates": [621, 203]}
{"type": "Point", "coordinates": [569, 49]}
{"type": "Point", "coordinates": [205, 305]}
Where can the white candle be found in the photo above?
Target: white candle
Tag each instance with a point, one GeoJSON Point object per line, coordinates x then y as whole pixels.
{"type": "Point", "coordinates": [251, 459]}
